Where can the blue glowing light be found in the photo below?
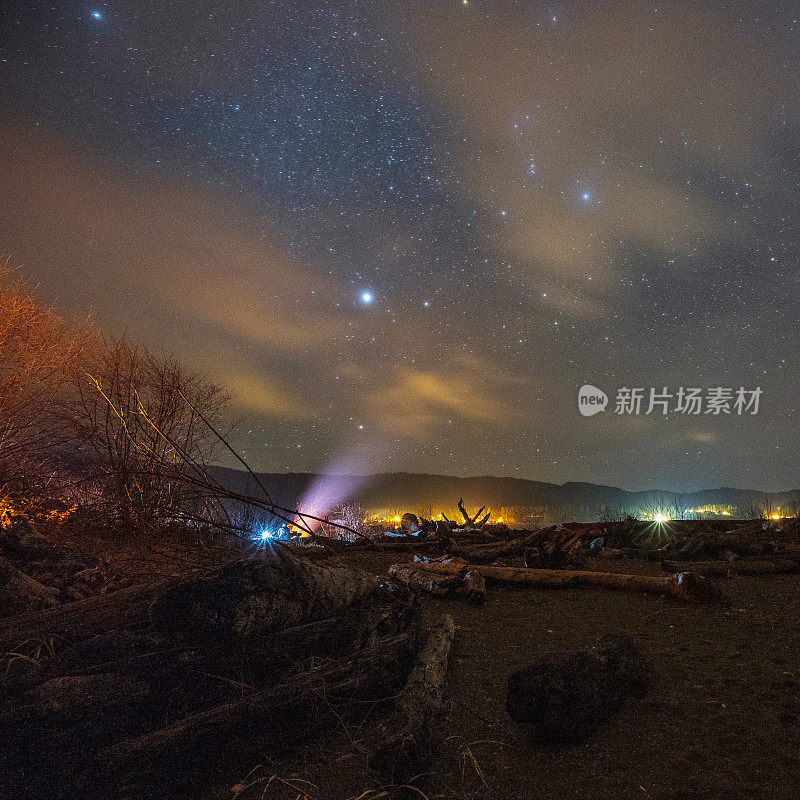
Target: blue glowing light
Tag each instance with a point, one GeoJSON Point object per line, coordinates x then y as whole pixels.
{"type": "Point", "coordinates": [366, 298]}
{"type": "Point", "coordinates": [585, 195]}
{"type": "Point", "coordinates": [97, 15]}
{"type": "Point", "coordinates": [265, 534]}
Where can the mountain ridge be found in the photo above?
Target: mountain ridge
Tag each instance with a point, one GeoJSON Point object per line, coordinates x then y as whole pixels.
{"type": "Point", "coordinates": [398, 491]}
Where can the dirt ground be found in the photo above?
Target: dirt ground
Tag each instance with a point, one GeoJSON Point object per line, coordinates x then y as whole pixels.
{"type": "Point", "coordinates": [722, 720]}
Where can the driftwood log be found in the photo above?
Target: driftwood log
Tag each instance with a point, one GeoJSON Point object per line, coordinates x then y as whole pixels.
{"type": "Point", "coordinates": [474, 588]}
{"type": "Point", "coordinates": [20, 593]}
{"type": "Point", "coordinates": [424, 580]}
{"type": "Point", "coordinates": [713, 544]}
{"type": "Point", "coordinates": [409, 733]}
{"type": "Point", "coordinates": [240, 600]}
{"type": "Point", "coordinates": [127, 608]}
{"type": "Point", "coordinates": [740, 567]}
{"type": "Point", "coordinates": [248, 598]}
{"type": "Point", "coordinates": [486, 553]}
{"type": "Point", "coordinates": [565, 697]}
{"type": "Point", "coordinates": [263, 658]}
{"type": "Point", "coordinates": [472, 521]}
{"type": "Point", "coordinates": [684, 586]}
{"type": "Point", "coordinates": [120, 684]}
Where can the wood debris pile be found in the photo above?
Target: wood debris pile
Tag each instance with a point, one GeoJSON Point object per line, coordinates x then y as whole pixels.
{"type": "Point", "coordinates": [37, 573]}
{"type": "Point", "coordinates": [167, 689]}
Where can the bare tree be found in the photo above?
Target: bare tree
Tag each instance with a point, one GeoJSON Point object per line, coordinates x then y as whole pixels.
{"type": "Point", "coordinates": [131, 421]}
{"type": "Point", "coordinates": [38, 350]}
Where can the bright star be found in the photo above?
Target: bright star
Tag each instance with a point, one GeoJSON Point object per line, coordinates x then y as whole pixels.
{"type": "Point", "coordinates": [97, 15]}
{"type": "Point", "coordinates": [366, 297]}
{"type": "Point", "coordinates": [585, 195]}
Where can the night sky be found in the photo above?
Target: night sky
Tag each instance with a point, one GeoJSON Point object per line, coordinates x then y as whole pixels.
{"type": "Point", "coordinates": [403, 234]}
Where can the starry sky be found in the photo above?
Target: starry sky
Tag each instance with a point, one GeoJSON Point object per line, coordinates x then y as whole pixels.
{"type": "Point", "coordinates": [403, 234]}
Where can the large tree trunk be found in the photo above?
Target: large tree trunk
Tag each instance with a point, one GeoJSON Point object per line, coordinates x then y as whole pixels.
{"type": "Point", "coordinates": [723, 568]}
{"type": "Point", "coordinates": [240, 600]}
{"type": "Point", "coordinates": [683, 585]}
{"type": "Point", "coordinates": [248, 598]}
{"type": "Point", "coordinates": [226, 738]}
{"type": "Point", "coordinates": [565, 697]}
{"type": "Point", "coordinates": [409, 732]}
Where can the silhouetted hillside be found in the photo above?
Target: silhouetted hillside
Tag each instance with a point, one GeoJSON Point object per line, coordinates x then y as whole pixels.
{"type": "Point", "coordinates": [413, 491]}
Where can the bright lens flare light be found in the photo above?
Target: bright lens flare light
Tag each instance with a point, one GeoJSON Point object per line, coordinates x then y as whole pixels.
{"type": "Point", "coordinates": [661, 518]}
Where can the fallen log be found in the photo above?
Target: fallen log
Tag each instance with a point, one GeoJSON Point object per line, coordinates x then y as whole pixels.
{"type": "Point", "coordinates": [388, 543]}
{"type": "Point", "coordinates": [71, 622]}
{"type": "Point", "coordinates": [684, 586]}
{"type": "Point", "coordinates": [713, 544]}
{"type": "Point", "coordinates": [609, 553]}
{"type": "Point", "coordinates": [425, 581]}
{"type": "Point", "coordinates": [491, 551]}
{"type": "Point", "coordinates": [248, 598]}
{"type": "Point", "coordinates": [245, 598]}
{"type": "Point", "coordinates": [564, 697]}
{"type": "Point", "coordinates": [73, 699]}
{"type": "Point", "coordinates": [474, 588]}
{"type": "Point", "coordinates": [408, 734]}
{"type": "Point", "coordinates": [271, 657]}
{"type": "Point", "coordinates": [471, 522]}
{"type": "Point", "coordinates": [228, 736]}
{"type": "Point", "coordinates": [118, 651]}
{"type": "Point", "coordinates": [20, 593]}
{"type": "Point", "coordinates": [741, 567]}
